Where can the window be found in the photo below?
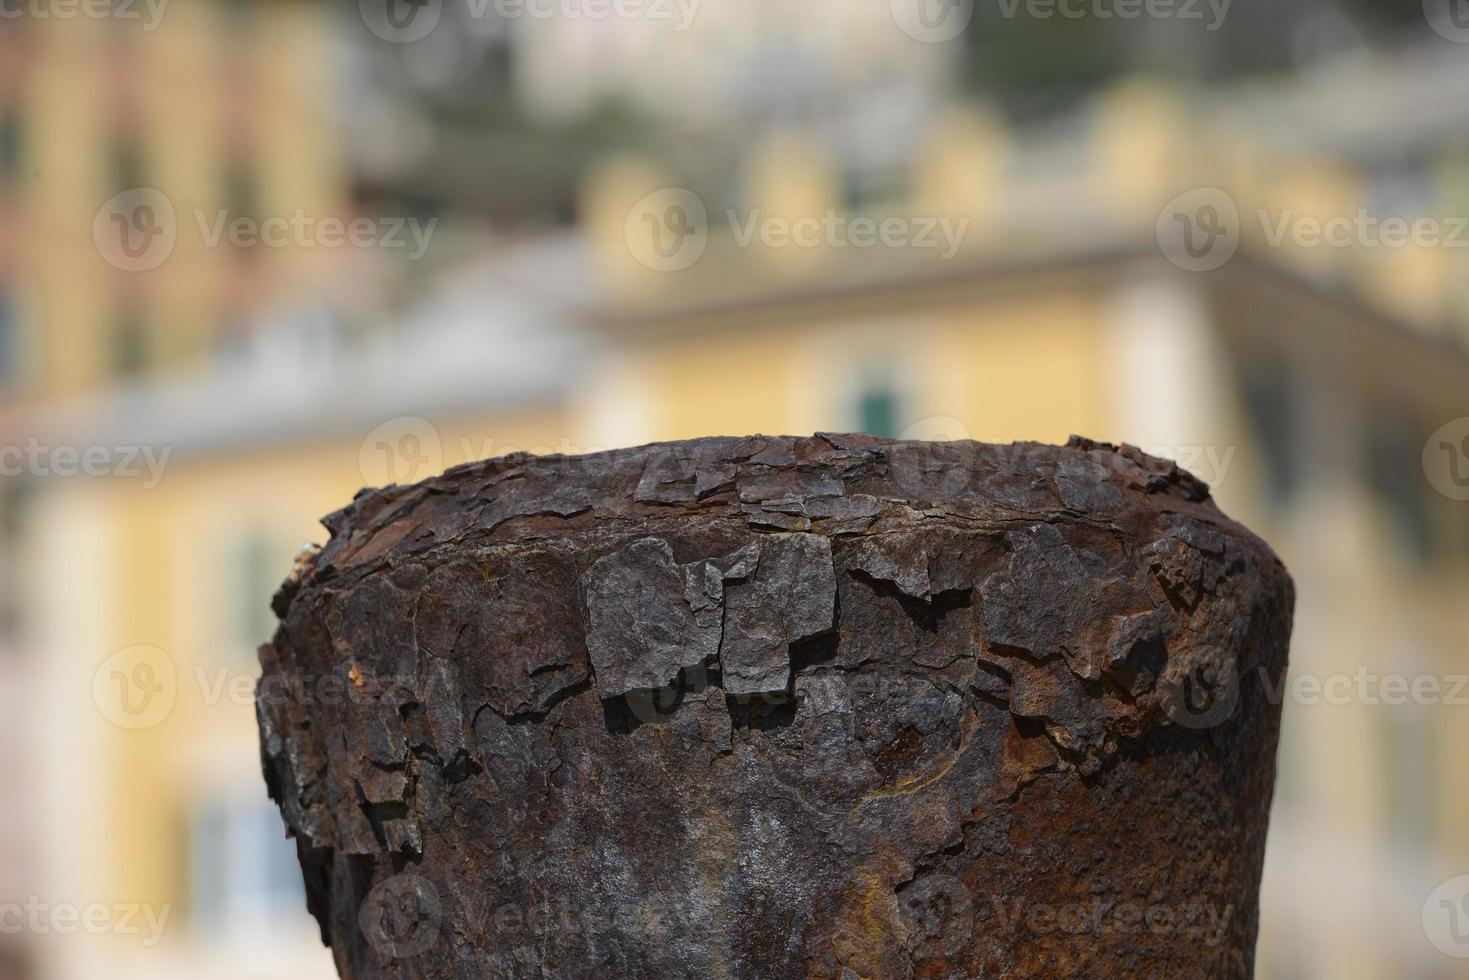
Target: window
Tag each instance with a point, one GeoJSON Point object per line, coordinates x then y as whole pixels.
{"type": "Point", "coordinates": [877, 412]}
{"type": "Point", "coordinates": [16, 497]}
{"type": "Point", "coordinates": [9, 338]}
{"type": "Point", "coordinates": [127, 169]}
{"type": "Point", "coordinates": [866, 186]}
{"type": "Point", "coordinates": [129, 345]}
{"type": "Point", "coordinates": [1395, 474]}
{"type": "Point", "coordinates": [244, 876]}
{"type": "Point", "coordinates": [10, 145]}
{"type": "Point", "coordinates": [257, 568]}
{"type": "Point", "coordinates": [241, 190]}
{"type": "Point", "coordinates": [1271, 404]}
{"type": "Point", "coordinates": [238, 15]}
{"type": "Point", "coordinates": [857, 188]}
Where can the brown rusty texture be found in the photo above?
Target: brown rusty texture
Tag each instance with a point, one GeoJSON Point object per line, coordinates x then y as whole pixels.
{"type": "Point", "coordinates": [778, 707]}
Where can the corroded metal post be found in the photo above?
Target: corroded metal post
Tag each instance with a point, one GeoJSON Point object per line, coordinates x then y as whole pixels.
{"type": "Point", "coordinates": [774, 707]}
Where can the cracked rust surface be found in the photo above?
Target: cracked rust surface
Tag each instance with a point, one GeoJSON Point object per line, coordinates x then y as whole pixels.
{"type": "Point", "coordinates": [775, 707]}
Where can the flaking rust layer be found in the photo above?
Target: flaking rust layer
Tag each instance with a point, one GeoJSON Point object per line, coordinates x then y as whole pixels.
{"type": "Point", "coordinates": [775, 707]}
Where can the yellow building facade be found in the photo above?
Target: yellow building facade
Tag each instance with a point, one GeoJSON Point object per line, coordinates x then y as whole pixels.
{"type": "Point", "coordinates": [1303, 404]}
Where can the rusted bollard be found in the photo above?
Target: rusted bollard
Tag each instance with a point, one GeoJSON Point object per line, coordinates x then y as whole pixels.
{"type": "Point", "coordinates": [772, 707]}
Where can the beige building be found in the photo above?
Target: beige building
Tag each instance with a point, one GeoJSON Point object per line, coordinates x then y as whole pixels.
{"type": "Point", "coordinates": [1005, 285]}
{"type": "Point", "coordinates": [1305, 431]}
{"type": "Point", "coordinates": [125, 132]}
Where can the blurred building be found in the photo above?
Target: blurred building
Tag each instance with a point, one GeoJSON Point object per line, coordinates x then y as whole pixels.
{"type": "Point", "coordinates": [108, 115]}
{"type": "Point", "coordinates": [267, 385]}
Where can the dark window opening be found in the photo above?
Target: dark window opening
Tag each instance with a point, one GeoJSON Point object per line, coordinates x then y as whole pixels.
{"type": "Point", "coordinates": [9, 339]}
{"type": "Point", "coordinates": [11, 146]}
{"type": "Point", "coordinates": [877, 412]}
{"type": "Point", "coordinates": [1395, 473]}
{"type": "Point", "coordinates": [1271, 404]}
{"type": "Point", "coordinates": [129, 346]}
{"type": "Point", "coordinates": [127, 165]}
